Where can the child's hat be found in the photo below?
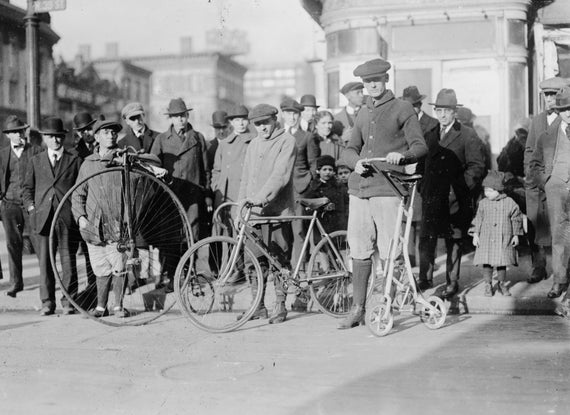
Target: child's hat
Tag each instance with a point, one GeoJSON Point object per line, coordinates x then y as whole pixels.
{"type": "Point", "coordinates": [495, 180]}
{"type": "Point", "coordinates": [326, 160]}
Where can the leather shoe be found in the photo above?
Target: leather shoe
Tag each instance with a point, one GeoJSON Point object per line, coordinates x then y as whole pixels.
{"type": "Point", "coordinates": [68, 310]}
{"type": "Point", "coordinates": [556, 290]}
{"type": "Point", "coordinates": [425, 285]}
{"type": "Point", "coordinates": [451, 289]}
{"type": "Point", "coordinates": [12, 293]}
{"type": "Point", "coordinates": [536, 278]}
{"type": "Point", "coordinates": [47, 311]}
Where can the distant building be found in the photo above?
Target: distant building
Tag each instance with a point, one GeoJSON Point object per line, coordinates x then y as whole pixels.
{"type": "Point", "coordinates": [14, 66]}
{"type": "Point", "coordinates": [269, 83]}
{"type": "Point", "coordinates": [207, 81]}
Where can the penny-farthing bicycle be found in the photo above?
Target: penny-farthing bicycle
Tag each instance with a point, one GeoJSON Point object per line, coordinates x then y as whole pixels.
{"type": "Point", "coordinates": [136, 226]}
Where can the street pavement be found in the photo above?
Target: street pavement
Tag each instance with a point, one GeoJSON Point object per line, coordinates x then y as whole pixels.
{"type": "Point", "coordinates": [492, 363]}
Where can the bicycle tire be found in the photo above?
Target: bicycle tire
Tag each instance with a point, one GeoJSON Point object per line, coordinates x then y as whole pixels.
{"type": "Point", "coordinates": [160, 233]}
{"type": "Point", "coordinates": [220, 306]}
{"type": "Point", "coordinates": [332, 295]}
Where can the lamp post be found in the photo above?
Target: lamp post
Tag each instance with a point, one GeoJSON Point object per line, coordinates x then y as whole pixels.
{"type": "Point", "coordinates": [33, 92]}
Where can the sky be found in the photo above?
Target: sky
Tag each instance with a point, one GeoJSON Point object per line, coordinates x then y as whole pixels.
{"type": "Point", "coordinates": [278, 30]}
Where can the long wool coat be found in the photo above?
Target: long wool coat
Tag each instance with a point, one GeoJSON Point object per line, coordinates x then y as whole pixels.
{"type": "Point", "coordinates": [496, 222]}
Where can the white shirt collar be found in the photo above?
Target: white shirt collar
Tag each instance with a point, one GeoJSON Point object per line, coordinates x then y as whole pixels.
{"type": "Point", "coordinates": [551, 117]}
{"type": "Point", "coordinates": [52, 152]}
{"type": "Point", "coordinates": [563, 125]}
{"type": "Point", "coordinates": [18, 151]}
{"type": "Point", "coordinates": [420, 115]}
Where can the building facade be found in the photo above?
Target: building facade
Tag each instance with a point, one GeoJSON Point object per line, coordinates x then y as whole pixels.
{"type": "Point", "coordinates": [477, 47]}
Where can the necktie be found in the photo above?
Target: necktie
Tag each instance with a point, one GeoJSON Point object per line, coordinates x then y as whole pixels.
{"type": "Point", "coordinates": [54, 161]}
{"type": "Point", "coordinates": [442, 132]}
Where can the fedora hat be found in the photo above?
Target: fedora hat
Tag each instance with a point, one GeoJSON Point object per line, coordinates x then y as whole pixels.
{"type": "Point", "coordinates": [446, 99]}
{"type": "Point", "coordinates": [53, 126]}
{"type": "Point", "coordinates": [412, 95]}
{"type": "Point", "coordinates": [177, 106]}
{"type": "Point", "coordinates": [238, 111]}
{"type": "Point", "coordinates": [13, 123]}
{"type": "Point", "coordinates": [82, 120]}
{"type": "Point", "coordinates": [219, 119]}
{"type": "Point", "coordinates": [562, 98]}
{"type": "Point", "coordinates": [309, 101]}
{"type": "Point", "coordinates": [103, 123]}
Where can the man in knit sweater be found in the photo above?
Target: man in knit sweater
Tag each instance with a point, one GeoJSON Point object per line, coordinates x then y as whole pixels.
{"type": "Point", "coordinates": [385, 127]}
{"type": "Point", "coordinates": [267, 181]}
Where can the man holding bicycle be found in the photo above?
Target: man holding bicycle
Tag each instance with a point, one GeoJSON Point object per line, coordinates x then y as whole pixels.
{"type": "Point", "coordinates": [385, 127]}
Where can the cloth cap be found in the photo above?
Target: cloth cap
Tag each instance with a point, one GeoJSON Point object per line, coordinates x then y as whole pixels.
{"type": "Point", "coordinates": [132, 109]}
{"type": "Point", "coordinates": [177, 106]}
{"type": "Point", "coordinates": [494, 180]}
{"type": "Point", "coordinates": [291, 105]}
{"type": "Point", "coordinates": [100, 124]}
{"type": "Point", "coordinates": [82, 120]}
{"type": "Point", "coordinates": [219, 119]}
{"type": "Point", "coordinates": [326, 160]}
{"type": "Point", "coordinates": [13, 123]}
{"type": "Point", "coordinates": [351, 86]}
{"type": "Point", "coordinates": [375, 67]}
{"type": "Point", "coordinates": [53, 126]}
{"type": "Point", "coordinates": [446, 98]}
{"type": "Point", "coordinates": [464, 115]}
{"type": "Point", "coordinates": [262, 112]}
{"type": "Point", "coordinates": [412, 95]}
{"type": "Point", "coordinates": [562, 98]}
{"type": "Point", "coordinates": [553, 84]}
{"type": "Point", "coordinates": [238, 111]}
{"type": "Point", "coordinates": [309, 101]}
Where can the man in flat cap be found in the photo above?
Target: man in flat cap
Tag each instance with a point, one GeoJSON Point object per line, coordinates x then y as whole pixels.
{"type": "Point", "coordinates": [538, 224]}
{"type": "Point", "coordinates": [353, 92]}
{"type": "Point", "coordinates": [267, 181]}
{"type": "Point", "coordinates": [138, 135]}
{"type": "Point", "coordinates": [49, 176]}
{"type": "Point", "coordinates": [309, 103]}
{"type": "Point", "coordinates": [457, 158]}
{"type": "Point", "coordinates": [398, 138]}
{"type": "Point", "coordinates": [182, 152]}
{"type": "Point", "coordinates": [549, 170]}
{"type": "Point", "coordinates": [83, 127]}
{"type": "Point", "coordinates": [13, 165]}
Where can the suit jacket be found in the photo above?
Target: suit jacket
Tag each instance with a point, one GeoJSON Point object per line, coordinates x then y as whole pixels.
{"type": "Point", "coordinates": [82, 149]}
{"type": "Point", "coordinates": [44, 188]}
{"type": "Point", "coordinates": [30, 150]}
{"type": "Point", "coordinates": [538, 126]}
{"type": "Point", "coordinates": [308, 151]}
{"type": "Point", "coordinates": [542, 159]}
{"type": "Point", "coordinates": [131, 140]}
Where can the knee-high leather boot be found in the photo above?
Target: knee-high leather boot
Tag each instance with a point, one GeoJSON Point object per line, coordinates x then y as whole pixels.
{"type": "Point", "coordinates": [361, 269]}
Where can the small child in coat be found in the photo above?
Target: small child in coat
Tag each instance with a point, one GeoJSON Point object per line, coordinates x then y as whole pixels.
{"type": "Point", "coordinates": [496, 229]}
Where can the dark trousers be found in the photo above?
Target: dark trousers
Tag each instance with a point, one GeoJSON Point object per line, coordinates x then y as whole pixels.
{"type": "Point", "coordinates": [66, 245]}
{"type": "Point", "coordinates": [15, 220]}
{"type": "Point", "coordinates": [454, 250]}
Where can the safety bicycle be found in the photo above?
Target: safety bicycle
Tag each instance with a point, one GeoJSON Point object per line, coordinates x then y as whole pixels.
{"type": "Point", "coordinates": [396, 292]}
{"type": "Point", "coordinates": [219, 281]}
{"type": "Point", "coordinates": [136, 224]}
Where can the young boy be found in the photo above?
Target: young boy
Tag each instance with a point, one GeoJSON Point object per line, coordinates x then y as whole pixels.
{"type": "Point", "coordinates": [326, 185]}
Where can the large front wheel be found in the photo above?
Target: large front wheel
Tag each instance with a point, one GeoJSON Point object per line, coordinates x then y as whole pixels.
{"type": "Point", "coordinates": [218, 286]}
{"type": "Point", "coordinates": [330, 275]}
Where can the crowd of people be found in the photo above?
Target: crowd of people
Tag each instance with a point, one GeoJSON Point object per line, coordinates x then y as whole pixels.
{"type": "Point", "coordinates": [273, 157]}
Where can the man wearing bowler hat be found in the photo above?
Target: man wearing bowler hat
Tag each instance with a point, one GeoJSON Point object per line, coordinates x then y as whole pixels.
{"type": "Point", "coordinates": [49, 176]}
{"type": "Point", "coordinates": [413, 96]}
{"type": "Point", "coordinates": [353, 92]}
{"type": "Point", "coordinates": [309, 103]}
{"type": "Point", "coordinates": [267, 182]}
{"type": "Point", "coordinates": [538, 224]}
{"type": "Point", "coordinates": [385, 127]}
{"type": "Point", "coordinates": [463, 148]}
{"type": "Point", "coordinates": [13, 164]}
{"type": "Point", "coordinates": [83, 127]}
{"type": "Point", "coordinates": [549, 170]}
{"type": "Point", "coordinates": [138, 135]}
{"type": "Point", "coordinates": [222, 129]}
{"type": "Point", "coordinates": [182, 152]}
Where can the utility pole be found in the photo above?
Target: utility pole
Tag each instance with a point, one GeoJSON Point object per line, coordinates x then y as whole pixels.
{"type": "Point", "coordinates": [32, 51]}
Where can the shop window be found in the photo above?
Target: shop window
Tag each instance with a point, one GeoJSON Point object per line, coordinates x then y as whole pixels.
{"type": "Point", "coordinates": [362, 40]}
{"type": "Point", "coordinates": [517, 32]}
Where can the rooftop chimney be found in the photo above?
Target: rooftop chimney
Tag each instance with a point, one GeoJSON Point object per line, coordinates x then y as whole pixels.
{"type": "Point", "coordinates": [185, 45]}
{"type": "Point", "coordinates": [112, 50]}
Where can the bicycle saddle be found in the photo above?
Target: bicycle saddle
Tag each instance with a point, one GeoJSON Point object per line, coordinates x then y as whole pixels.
{"type": "Point", "coordinates": [314, 204]}
{"type": "Point", "coordinates": [404, 177]}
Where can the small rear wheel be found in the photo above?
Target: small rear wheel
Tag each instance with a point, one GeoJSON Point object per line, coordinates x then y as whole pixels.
{"type": "Point", "coordinates": [433, 317]}
{"type": "Point", "coordinates": [379, 318]}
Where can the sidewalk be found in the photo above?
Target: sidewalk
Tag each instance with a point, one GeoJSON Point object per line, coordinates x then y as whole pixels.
{"type": "Point", "coordinates": [526, 298]}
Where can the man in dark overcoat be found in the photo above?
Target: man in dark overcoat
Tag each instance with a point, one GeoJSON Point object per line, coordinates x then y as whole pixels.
{"type": "Point", "coordinates": [14, 160]}
{"type": "Point", "coordinates": [49, 176]}
{"type": "Point", "coordinates": [353, 92]}
{"type": "Point", "coordinates": [538, 224]}
{"type": "Point", "coordinates": [549, 170]}
{"type": "Point", "coordinates": [138, 135]}
{"type": "Point", "coordinates": [468, 149]}
{"type": "Point", "coordinates": [413, 96]}
{"type": "Point", "coordinates": [84, 142]}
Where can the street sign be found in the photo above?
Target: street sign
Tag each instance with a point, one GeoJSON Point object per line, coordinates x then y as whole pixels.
{"type": "Point", "coordinates": [45, 6]}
